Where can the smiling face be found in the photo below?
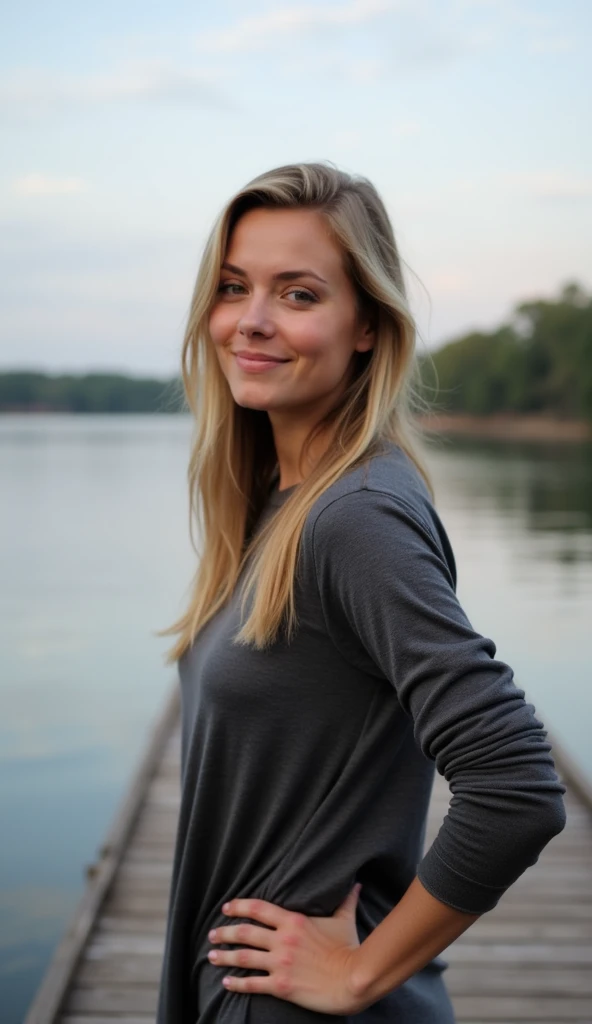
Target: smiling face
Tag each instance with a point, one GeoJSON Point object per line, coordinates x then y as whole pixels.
{"type": "Point", "coordinates": [309, 322]}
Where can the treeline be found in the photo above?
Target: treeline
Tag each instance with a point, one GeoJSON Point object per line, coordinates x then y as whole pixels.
{"type": "Point", "coordinates": [538, 363]}
{"type": "Point", "coordinates": [21, 391]}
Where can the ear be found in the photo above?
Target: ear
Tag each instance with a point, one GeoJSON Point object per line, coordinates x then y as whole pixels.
{"type": "Point", "coordinates": [367, 338]}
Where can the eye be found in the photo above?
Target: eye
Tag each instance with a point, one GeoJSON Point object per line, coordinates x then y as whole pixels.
{"type": "Point", "coordinates": [229, 284]}
{"type": "Point", "coordinates": [309, 297]}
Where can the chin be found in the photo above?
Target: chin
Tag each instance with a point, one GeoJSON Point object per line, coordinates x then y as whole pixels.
{"type": "Point", "coordinates": [251, 403]}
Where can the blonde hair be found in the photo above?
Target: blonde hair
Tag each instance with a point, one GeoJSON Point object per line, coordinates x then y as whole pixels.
{"type": "Point", "coordinates": [233, 457]}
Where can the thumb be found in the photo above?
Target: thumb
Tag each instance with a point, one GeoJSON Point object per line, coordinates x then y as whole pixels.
{"type": "Point", "coordinates": [349, 904]}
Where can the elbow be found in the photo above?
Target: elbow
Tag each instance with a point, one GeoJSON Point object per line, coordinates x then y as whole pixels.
{"type": "Point", "coordinates": [548, 822]}
{"type": "Point", "coordinates": [555, 817]}
{"type": "Point", "coordinates": [529, 837]}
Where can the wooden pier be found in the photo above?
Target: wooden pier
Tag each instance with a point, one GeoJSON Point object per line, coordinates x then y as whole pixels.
{"type": "Point", "coordinates": [529, 960]}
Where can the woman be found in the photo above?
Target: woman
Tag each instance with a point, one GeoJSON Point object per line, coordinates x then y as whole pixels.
{"type": "Point", "coordinates": [326, 665]}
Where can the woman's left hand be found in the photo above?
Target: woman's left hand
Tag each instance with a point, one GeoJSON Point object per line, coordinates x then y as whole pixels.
{"type": "Point", "coordinates": [309, 960]}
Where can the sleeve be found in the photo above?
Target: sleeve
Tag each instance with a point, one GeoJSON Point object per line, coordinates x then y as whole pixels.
{"type": "Point", "coordinates": [382, 572]}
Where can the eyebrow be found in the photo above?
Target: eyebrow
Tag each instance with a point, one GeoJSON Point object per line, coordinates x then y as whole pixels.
{"type": "Point", "coordinates": [284, 275]}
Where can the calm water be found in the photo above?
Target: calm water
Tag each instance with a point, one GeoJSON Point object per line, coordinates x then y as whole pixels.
{"type": "Point", "coordinates": [94, 557]}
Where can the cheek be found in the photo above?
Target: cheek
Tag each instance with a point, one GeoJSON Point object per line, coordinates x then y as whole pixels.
{"type": "Point", "coordinates": [322, 348]}
{"type": "Point", "coordinates": [313, 337]}
{"type": "Point", "coordinates": [220, 325]}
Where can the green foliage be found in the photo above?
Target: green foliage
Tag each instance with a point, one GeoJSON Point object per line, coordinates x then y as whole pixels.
{"type": "Point", "coordinates": [539, 363]}
{"type": "Point", "coordinates": [90, 393]}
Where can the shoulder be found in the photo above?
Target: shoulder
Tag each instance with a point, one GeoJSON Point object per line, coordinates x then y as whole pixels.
{"type": "Point", "coordinates": [377, 504]}
{"type": "Point", "coordinates": [386, 481]}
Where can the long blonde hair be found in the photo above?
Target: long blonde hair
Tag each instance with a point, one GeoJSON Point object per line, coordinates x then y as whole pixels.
{"type": "Point", "coordinates": [233, 457]}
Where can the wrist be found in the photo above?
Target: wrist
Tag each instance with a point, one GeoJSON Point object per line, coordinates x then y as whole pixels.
{"type": "Point", "coordinates": [361, 980]}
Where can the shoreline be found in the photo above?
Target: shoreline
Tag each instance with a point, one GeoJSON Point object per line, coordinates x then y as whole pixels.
{"type": "Point", "coordinates": [507, 427]}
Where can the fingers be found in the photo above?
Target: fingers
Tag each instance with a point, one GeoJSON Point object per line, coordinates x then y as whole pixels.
{"type": "Point", "coordinates": [251, 983]}
{"type": "Point", "coordinates": [272, 917]}
{"type": "Point", "coordinates": [239, 933]}
{"type": "Point", "coordinates": [260, 910]}
{"type": "Point", "coordinates": [253, 958]}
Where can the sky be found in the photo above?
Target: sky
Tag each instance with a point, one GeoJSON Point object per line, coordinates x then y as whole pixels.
{"type": "Point", "coordinates": [126, 126]}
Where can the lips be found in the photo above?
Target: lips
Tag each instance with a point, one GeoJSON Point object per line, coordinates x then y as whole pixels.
{"type": "Point", "coordinates": [255, 364]}
{"type": "Point", "coordinates": [260, 358]}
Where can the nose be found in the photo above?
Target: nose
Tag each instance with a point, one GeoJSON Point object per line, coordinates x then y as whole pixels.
{"type": "Point", "coordinates": [255, 320]}
{"type": "Point", "coordinates": [251, 325]}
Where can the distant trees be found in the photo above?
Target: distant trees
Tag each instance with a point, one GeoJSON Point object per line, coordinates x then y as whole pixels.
{"type": "Point", "coordinates": [541, 362]}
{"type": "Point", "coordinates": [90, 393]}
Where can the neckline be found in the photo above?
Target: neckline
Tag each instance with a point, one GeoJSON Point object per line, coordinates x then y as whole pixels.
{"type": "Point", "coordinates": [277, 497]}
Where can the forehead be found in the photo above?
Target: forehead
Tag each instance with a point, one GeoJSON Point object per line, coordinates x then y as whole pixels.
{"type": "Point", "coordinates": [273, 240]}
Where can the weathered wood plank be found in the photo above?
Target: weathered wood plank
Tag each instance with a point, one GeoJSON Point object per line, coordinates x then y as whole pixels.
{"type": "Point", "coordinates": [493, 928]}
{"type": "Point", "coordinates": [151, 851]}
{"type": "Point", "coordinates": [522, 1008]}
{"type": "Point", "coordinates": [140, 906]}
{"type": "Point", "coordinates": [149, 1019]}
{"type": "Point", "coordinates": [102, 946]}
{"type": "Point", "coordinates": [108, 925]}
{"type": "Point", "coordinates": [119, 971]}
{"type": "Point", "coordinates": [522, 981]}
{"type": "Point", "coordinates": [535, 953]}
{"type": "Point", "coordinates": [108, 1000]}
{"type": "Point", "coordinates": [508, 917]}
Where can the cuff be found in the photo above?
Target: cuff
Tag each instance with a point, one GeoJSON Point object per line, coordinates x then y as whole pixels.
{"type": "Point", "coordinates": [446, 885]}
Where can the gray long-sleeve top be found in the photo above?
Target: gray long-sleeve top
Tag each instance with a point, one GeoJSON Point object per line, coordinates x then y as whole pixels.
{"type": "Point", "coordinates": [309, 766]}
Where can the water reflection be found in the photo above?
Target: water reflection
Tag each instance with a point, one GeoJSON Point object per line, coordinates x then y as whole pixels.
{"type": "Point", "coordinates": [519, 516]}
{"type": "Point", "coordinates": [543, 488]}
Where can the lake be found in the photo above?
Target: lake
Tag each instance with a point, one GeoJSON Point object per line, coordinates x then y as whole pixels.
{"type": "Point", "coordinates": [95, 557]}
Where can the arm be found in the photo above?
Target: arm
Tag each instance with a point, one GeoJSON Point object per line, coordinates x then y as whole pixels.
{"type": "Point", "coordinates": [384, 573]}
{"type": "Point", "coordinates": [417, 929]}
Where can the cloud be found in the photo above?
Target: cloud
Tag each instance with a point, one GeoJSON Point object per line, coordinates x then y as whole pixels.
{"type": "Point", "coordinates": [530, 19]}
{"type": "Point", "coordinates": [416, 43]}
{"type": "Point", "coordinates": [41, 185]}
{"type": "Point", "coordinates": [350, 138]}
{"type": "Point", "coordinates": [551, 44]}
{"type": "Point", "coordinates": [405, 127]}
{"type": "Point", "coordinates": [346, 140]}
{"type": "Point", "coordinates": [359, 70]}
{"type": "Point", "coordinates": [336, 65]}
{"type": "Point", "coordinates": [552, 185]}
{"type": "Point", "coordinates": [259, 32]}
{"type": "Point", "coordinates": [36, 92]}
{"type": "Point", "coordinates": [407, 54]}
